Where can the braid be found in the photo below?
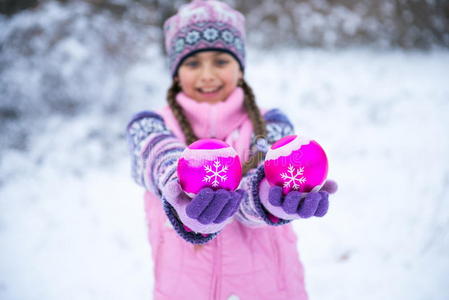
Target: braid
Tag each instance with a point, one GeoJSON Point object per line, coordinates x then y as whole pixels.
{"type": "Point", "coordinates": [258, 122]}
{"type": "Point", "coordinates": [179, 113]}
{"type": "Point", "coordinates": [183, 122]}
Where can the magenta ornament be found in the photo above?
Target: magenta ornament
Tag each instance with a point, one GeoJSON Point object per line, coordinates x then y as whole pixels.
{"type": "Point", "coordinates": [209, 163]}
{"type": "Point", "coordinates": [296, 164]}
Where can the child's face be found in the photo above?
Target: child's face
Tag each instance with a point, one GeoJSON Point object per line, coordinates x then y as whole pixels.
{"type": "Point", "coordinates": [209, 76]}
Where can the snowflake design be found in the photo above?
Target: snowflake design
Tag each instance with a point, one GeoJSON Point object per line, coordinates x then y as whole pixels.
{"type": "Point", "coordinates": [140, 129]}
{"type": "Point", "coordinates": [192, 37]}
{"type": "Point", "coordinates": [216, 173]}
{"type": "Point", "coordinates": [277, 131]}
{"type": "Point", "coordinates": [238, 44]}
{"type": "Point", "coordinates": [210, 34]}
{"type": "Point", "coordinates": [296, 179]}
{"type": "Point", "coordinates": [179, 46]}
{"type": "Point", "coordinates": [227, 36]}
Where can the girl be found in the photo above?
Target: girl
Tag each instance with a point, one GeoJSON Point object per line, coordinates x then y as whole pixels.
{"type": "Point", "coordinates": [219, 244]}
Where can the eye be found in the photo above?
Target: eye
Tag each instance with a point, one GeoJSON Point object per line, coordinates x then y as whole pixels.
{"type": "Point", "coordinates": [191, 63]}
{"type": "Point", "coordinates": [221, 61]}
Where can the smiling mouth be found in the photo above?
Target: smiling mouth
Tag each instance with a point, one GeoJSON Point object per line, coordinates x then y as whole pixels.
{"type": "Point", "coordinates": [209, 90]}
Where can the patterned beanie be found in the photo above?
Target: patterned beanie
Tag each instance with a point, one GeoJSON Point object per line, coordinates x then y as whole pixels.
{"type": "Point", "coordinates": [204, 25]}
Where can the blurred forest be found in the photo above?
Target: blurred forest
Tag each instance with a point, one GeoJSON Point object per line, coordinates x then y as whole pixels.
{"type": "Point", "coordinates": [67, 57]}
{"type": "Point", "coordinates": [319, 23]}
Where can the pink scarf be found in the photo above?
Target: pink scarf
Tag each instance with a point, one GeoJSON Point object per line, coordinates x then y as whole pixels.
{"type": "Point", "coordinates": [226, 120]}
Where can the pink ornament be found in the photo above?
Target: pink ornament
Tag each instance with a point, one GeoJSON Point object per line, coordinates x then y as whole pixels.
{"type": "Point", "coordinates": [296, 164]}
{"type": "Point", "coordinates": [209, 163]}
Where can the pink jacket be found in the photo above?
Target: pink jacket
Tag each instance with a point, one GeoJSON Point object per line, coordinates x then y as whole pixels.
{"type": "Point", "coordinates": [249, 259]}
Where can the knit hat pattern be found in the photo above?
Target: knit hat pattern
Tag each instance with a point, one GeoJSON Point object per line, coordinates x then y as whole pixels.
{"type": "Point", "coordinates": [204, 25]}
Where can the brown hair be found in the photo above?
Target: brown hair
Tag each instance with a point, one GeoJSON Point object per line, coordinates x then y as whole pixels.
{"type": "Point", "coordinates": [251, 108]}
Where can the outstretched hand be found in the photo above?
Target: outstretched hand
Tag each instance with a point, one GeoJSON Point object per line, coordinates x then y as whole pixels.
{"type": "Point", "coordinates": [298, 204]}
{"type": "Point", "coordinates": [305, 205]}
{"type": "Point", "coordinates": [208, 211]}
{"type": "Point", "coordinates": [210, 206]}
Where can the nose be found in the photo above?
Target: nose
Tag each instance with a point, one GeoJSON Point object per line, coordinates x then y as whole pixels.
{"type": "Point", "coordinates": [207, 73]}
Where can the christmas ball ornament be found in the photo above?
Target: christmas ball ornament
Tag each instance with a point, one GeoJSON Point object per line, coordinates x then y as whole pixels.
{"type": "Point", "coordinates": [296, 164]}
{"type": "Point", "coordinates": [209, 163]}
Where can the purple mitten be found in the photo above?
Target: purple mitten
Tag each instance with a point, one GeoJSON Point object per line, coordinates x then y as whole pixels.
{"type": "Point", "coordinates": [209, 211]}
{"type": "Point", "coordinates": [296, 204]}
{"type": "Point", "coordinates": [305, 205]}
{"type": "Point", "coordinates": [210, 206]}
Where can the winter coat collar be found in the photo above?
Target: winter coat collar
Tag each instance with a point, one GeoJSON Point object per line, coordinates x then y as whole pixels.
{"type": "Point", "coordinates": [215, 120]}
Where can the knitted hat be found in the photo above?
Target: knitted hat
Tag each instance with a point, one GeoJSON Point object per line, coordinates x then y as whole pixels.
{"type": "Point", "coordinates": [204, 25]}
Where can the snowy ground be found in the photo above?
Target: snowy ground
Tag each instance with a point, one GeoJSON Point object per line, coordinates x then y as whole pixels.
{"type": "Point", "coordinates": [72, 223]}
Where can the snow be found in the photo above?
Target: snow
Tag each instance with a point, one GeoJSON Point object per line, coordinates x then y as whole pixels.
{"type": "Point", "coordinates": [71, 219]}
